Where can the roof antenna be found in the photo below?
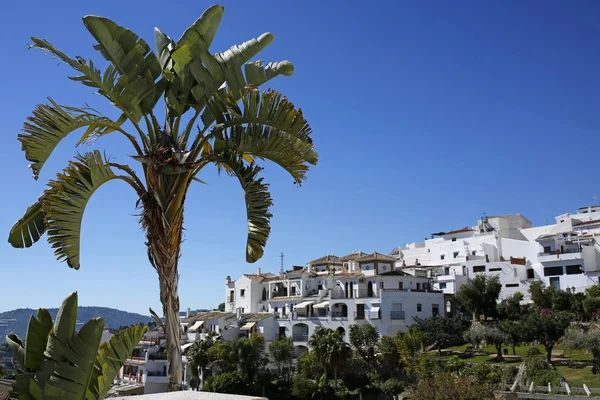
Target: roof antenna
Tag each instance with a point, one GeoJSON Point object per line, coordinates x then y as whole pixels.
{"type": "Point", "coordinates": [281, 256]}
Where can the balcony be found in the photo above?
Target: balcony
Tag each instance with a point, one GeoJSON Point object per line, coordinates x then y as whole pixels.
{"type": "Point", "coordinates": [397, 314]}
{"type": "Point", "coordinates": [567, 254]}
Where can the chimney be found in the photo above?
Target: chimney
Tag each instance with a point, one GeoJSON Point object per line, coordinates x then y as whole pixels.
{"type": "Point", "coordinates": [258, 271]}
{"type": "Point", "coordinates": [238, 313]}
{"type": "Point", "coordinates": [187, 312]}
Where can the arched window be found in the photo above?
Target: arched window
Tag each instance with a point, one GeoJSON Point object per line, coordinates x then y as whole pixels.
{"type": "Point", "coordinates": [264, 294]}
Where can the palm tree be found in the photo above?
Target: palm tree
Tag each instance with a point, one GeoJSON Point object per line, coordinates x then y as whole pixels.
{"type": "Point", "coordinates": [331, 350]}
{"type": "Point", "coordinates": [214, 115]}
{"type": "Point", "coordinates": [198, 357]}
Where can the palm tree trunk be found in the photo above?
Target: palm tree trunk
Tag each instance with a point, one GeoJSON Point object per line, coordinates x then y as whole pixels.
{"type": "Point", "coordinates": [170, 301]}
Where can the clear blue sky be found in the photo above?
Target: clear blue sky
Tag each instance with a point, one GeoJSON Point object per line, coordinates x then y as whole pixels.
{"type": "Point", "coordinates": [425, 114]}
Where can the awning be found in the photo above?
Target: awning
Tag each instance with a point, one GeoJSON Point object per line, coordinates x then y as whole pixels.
{"type": "Point", "coordinates": [374, 309]}
{"type": "Point", "coordinates": [186, 346]}
{"type": "Point", "coordinates": [197, 325]}
{"type": "Point", "coordinates": [248, 326]}
{"type": "Point", "coordinates": [322, 304]}
{"type": "Point", "coordinates": [303, 304]}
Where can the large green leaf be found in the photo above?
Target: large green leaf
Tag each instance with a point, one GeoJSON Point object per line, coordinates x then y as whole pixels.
{"type": "Point", "coordinates": [110, 359]}
{"type": "Point", "coordinates": [258, 200]}
{"type": "Point", "coordinates": [118, 89]}
{"type": "Point", "coordinates": [201, 33]}
{"type": "Point", "coordinates": [265, 125]}
{"type": "Point", "coordinates": [73, 374]}
{"type": "Point", "coordinates": [37, 338]}
{"type": "Point", "coordinates": [29, 228]}
{"type": "Point", "coordinates": [131, 56]}
{"type": "Point", "coordinates": [66, 200]}
{"type": "Point", "coordinates": [51, 123]}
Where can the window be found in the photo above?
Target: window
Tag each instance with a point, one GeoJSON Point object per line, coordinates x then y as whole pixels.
{"type": "Point", "coordinates": [446, 271]}
{"type": "Point", "coordinates": [530, 274]}
{"type": "Point", "coordinates": [275, 309]}
{"type": "Point", "coordinates": [242, 292]}
{"type": "Point", "coordinates": [293, 290]}
{"type": "Point", "coordinates": [418, 286]}
{"type": "Point", "coordinates": [360, 311]}
{"type": "Point", "coordinates": [547, 249]}
{"type": "Point", "coordinates": [479, 268]}
{"type": "Point", "coordinates": [442, 256]}
{"type": "Point", "coordinates": [400, 285]}
{"type": "Point", "coordinates": [512, 285]}
{"type": "Point", "coordinates": [419, 308]}
{"type": "Point", "coordinates": [320, 287]}
{"type": "Point", "coordinates": [435, 309]}
{"type": "Point", "coordinates": [443, 285]}
{"type": "Point", "coordinates": [473, 252]}
{"type": "Point", "coordinates": [381, 285]}
{"type": "Point", "coordinates": [553, 271]}
{"type": "Point", "coordinates": [495, 269]}
{"type": "Point", "coordinates": [454, 239]}
{"type": "Point", "coordinates": [555, 282]}
{"type": "Point", "coordinates": [231, 296]}
{"type": "Point", "coordinates": [574, 269]}
{"type": "Point", "coordinates": [455, 254]}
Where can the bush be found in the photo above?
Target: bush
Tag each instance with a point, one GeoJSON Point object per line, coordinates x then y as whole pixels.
{"type": "Point", "coordinates": [538, 371]}
{"type": "Point", "coordinates": [444, 386]}
{"type": "Point", "coordinates": [228, 382]}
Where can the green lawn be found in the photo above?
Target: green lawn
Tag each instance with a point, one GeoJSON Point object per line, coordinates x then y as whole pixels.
{"type": "Point", "coordinates": [575, 376]}
{"type": "Point", "coordinates": [579, 376]}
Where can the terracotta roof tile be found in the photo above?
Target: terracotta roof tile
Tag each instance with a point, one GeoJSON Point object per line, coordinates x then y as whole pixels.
{"type": "Point", "coordinates": [203, 316]}
{"type": "Point", "coordinates": [259, 278]}
{"type": "Point", "coordinates": [375, 256]}
{"type": "Point", "coordinates": [328, 259]}
{"type": "Point", "coordinates": [352, 256]}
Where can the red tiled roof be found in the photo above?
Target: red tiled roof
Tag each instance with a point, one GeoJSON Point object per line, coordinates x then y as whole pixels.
{"type": "Point", "coordinates": [352, 256]}
{"type": "Point", "coordinates": [328, 259]}
{"type": "Point", "coordinates": [259, 278]}
{"type": "Point", "coordinates": [375, 256]}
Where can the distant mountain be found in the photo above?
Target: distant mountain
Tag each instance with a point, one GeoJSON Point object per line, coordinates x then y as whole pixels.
{"type": "Point", "coordinates": [16, 321]}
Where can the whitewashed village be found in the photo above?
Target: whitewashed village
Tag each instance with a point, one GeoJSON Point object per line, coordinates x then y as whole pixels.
{"type": "Point", "coordinates": [385, 290]}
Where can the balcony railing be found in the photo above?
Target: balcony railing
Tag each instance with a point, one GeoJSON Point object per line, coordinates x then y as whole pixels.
{"type": "Point", "coordinates": [397, 314]}
{"type": "Point", "coordinates": [299, 338]}
{"type": "Point", "coordinates": [558, 252]}
{"type": "Point", "coordinates": [339, 314]}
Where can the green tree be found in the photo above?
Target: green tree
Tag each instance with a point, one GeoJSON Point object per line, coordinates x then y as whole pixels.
{"type": "Point", "coordinates": [198, 358]}
{"type": "Point", "coordinates": [541, 295]}
{"type": "Point", "coordinates": [591, 302]}
{"type": "Point", "coordinates": [496, 337]}
{"type": "Point", "coordinates": [281, 351]}
{"type": "Point", "coordinates": [250, 355]}
{"type": "Point", "coordinates": [584, 337]}
{"type": "Point", "coordinates": [309, 366]}
{"type": "Point", "coordinates": [331, 350]}
{"type": "Point", "coordinates": [389, 357]}
{"type": "Point", "coordinates": [441, 331]}
{"type": "Point", "coordinates": [475, 334]}
{"type": "Point", "coordinates": [57, 361]}
{"type": "Point", "coordinates": [480, 295]}
{"type": "Point", "coordinates": [221, 307]}
{"type": "Point", "coordinates": [213, 115]}
{"type": "Point", "coordinates": [510, 308]}
{"type": "Point", "coordinates": [364, 339]}
{"type": "Point", "coordinates": [228, 382]}
{"type": "Point", "coordinates": [546, 327]}
{"type": "Point", "coordinates": [514, 331]}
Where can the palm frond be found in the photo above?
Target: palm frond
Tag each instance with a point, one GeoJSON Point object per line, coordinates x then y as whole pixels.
{"type": "Point", "coordinates": [258, 200]}
{"type": "Point", "coordinates": [30, 228]}
{"type": "Point", "coordinates": [66, 200]}
{"type": "Point", "coordinates": [51, 123]}
{"type": "Point", "coordinates": [131, 56]}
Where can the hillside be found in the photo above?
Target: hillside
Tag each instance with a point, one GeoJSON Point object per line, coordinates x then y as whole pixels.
{"type": "Point", "coordinates": [15, 321]}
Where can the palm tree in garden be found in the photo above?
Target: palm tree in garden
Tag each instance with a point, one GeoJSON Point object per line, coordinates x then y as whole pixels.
{"type": "Point", "coordinates": [331, 350]}
{"type": "Point", "coordinates": [198, 358]}
{"type": "Point", "coordinates": [213, 115]}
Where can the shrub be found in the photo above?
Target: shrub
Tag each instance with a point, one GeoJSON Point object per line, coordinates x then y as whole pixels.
{"type": "Point", "coordinates": [228, 382]}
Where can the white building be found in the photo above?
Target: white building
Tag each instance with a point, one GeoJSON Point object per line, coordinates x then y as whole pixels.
{"type": "Point", "coordinates": [336, 292]}
{"type": "Point", "coordinates": [565, 254]}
